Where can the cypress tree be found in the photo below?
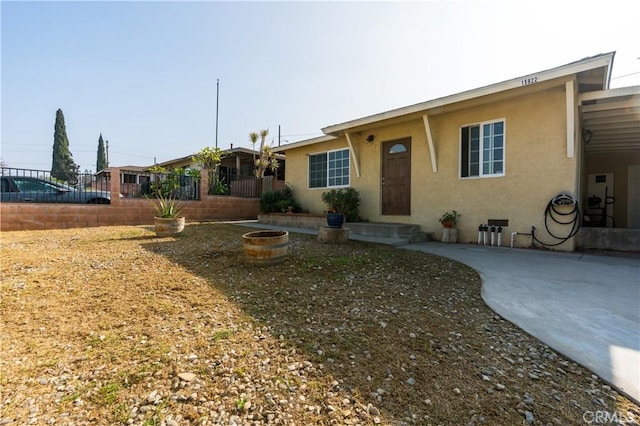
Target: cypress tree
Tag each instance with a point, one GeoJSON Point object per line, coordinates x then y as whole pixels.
{"type": "Point", "coordinates": [101, 163]}
{"type": "Point", "coordinates": [62, 166]}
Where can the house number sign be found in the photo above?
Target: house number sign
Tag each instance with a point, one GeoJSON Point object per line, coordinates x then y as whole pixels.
{"type": "Point", "coordinates": [530, 80]}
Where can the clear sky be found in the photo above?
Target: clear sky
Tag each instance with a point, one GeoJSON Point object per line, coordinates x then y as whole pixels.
{"type": "Point", "coordinates": [144, 73]}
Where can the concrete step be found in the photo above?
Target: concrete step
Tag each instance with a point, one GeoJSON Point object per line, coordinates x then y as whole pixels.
{"type": "Point", "coordinates": [406, 233]}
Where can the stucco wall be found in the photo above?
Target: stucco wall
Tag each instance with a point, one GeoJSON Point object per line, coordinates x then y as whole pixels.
{"type": "Point", "coordinates": [536, 167]}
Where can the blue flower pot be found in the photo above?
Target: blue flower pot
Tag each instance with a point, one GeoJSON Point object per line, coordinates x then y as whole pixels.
{"type": "Point", "coordinates": [335, 220]}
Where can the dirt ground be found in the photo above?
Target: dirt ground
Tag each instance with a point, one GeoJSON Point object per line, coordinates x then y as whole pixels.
{"type": "Point", "coordinates": [110, 326]}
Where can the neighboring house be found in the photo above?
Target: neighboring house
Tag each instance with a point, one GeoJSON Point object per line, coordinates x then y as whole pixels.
{"type": "Point", "coordinates": [496, 154]}
{"type": "Point", "coordinates": [237, 163]}
{"type": "Point", "coordinates": [236, 170]}
{"type": "Point", "coordinates": [132, 179]}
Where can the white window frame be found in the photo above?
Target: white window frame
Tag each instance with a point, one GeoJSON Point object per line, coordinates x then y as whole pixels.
{"type": "Point", "coordinates": [326, 185]}
{"type": "Point", "coordinates": [481, 147]}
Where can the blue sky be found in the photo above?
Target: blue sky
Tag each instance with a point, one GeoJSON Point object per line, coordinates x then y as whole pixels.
{"type": "Point", "coordinates": [144, 73]}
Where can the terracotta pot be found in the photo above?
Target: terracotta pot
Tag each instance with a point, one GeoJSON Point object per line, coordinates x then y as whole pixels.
{"type": "Point", "coordinates": [447, 224]}
{"type": "Point", "coordinates": [265, 247]}
{"type": "Point", "coordinates": [168, 227]}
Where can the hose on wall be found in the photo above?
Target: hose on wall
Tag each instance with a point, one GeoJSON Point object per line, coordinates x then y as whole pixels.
{"type": "Point", "coordinates": [556, 212]}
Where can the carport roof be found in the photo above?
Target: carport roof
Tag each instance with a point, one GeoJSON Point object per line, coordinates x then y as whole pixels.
{"type": "Point", "coordinates": [611, 119]}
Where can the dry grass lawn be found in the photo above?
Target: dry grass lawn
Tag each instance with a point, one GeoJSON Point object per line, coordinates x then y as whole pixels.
{"type": "Point", "coordinates": [109, 326]}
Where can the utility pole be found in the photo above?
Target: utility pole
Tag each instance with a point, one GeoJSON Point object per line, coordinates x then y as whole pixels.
{"type": "Point", "coordinates": [107, 153]}
{"type": "Point", "coordinates": [217, 98]}
{"type": "Point", "coordinates": [278, 135]}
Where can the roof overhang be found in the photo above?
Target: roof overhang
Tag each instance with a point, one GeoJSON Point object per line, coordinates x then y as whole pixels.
{"type": "Point", "coordinates": [592, 74]}
{"type": "Point", "coordinates": [299, 144]}
{"type": "Point", "coordinates": [594, 71]}
{"type": "Point", "coordinates": [248, 152]}
{"type": "Point", "coordinates": [610, 119]}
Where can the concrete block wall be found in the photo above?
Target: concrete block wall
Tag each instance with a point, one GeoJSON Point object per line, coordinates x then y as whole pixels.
{"type": "Point", "coordinates": [121, 211]}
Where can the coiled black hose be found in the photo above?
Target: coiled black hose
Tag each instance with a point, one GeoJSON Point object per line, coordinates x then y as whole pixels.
{"type": "Point", "coordinates": [552, 213]}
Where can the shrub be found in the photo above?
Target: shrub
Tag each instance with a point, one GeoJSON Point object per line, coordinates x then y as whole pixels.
{"type": "Point", "coordinates": [279, 201]}
{"type": "Point", "coordinates": [345, 201]}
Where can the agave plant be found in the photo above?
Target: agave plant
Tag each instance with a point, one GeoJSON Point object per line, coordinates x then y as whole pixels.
{"type": "Point", "coordinates": [168, 207]}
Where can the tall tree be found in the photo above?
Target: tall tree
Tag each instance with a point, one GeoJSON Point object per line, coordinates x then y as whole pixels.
{"type": "Point", "coordinates": [63, 167]}
{"type": "Point", "coordinates": [101, 163]}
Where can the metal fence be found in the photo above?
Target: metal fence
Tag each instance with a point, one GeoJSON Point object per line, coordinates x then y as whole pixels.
{"type": "Point", "coordinates": [27, 185]}
{"type": "Point", "coordinates": [172, 184]}
{"type": "Point", "coordinates": [185, 184]}
{"type": "Point", "coordinates": [242, 182]}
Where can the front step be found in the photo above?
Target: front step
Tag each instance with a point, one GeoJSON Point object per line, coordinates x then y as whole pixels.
{"type": "Point", "coordinates": [408, 233]}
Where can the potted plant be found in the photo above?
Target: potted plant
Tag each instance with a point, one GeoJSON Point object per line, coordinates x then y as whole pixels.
{"type": "Point", "coordinates": [169, 220]}
{"type": "Point", "coordinates": [342, 204]}
{"type": "Point", "coordinates": [449, 219]}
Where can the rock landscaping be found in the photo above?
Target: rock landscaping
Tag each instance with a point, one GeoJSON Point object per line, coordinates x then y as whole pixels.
{"type": "Point", "coordinates": [114, 326]}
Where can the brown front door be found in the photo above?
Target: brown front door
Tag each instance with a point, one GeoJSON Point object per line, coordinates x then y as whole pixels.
{"type": "Point", "coordinates": [396, 177]}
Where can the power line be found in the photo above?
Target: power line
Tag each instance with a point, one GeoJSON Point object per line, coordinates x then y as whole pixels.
{"type": "Point", "coordinates": [301, 134]}
{"type": "Point", "coordinates": [626, 75]}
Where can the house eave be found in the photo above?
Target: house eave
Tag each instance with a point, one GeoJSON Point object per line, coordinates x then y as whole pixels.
{"type": "Point", "coordinates": [590, 63]}
{"type": "Point", "coordinates": [300, 144]}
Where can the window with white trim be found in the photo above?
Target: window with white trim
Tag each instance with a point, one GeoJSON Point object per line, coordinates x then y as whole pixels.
{"type": "Point", "coordinates": [482, 149]}
{"type": "Point", "coordinates": [329, 169]}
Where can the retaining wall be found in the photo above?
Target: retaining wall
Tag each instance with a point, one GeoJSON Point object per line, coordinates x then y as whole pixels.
{"type": "Point", "coordinates": [295, 220]}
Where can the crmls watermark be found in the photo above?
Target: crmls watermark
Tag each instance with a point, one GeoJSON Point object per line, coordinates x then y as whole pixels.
{"type": "Point", "coordinates": [604, 417]}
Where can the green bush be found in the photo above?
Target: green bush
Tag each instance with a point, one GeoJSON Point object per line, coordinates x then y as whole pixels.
{"type": "Point", "coordinates": [279, 201]}
{"type": "Point", "coordinates": [220, 187]}
{"type": "Point", "coordinates": [345, 201]}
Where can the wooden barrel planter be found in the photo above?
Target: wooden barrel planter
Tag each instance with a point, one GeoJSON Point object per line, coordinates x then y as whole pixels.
{"type": "Point", "coordinates": [168, 227]}
{"type": "Point", "coordinates": [265, 247]}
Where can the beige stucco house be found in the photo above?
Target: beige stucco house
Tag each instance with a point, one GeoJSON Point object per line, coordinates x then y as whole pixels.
{"type": "Point", "coordinates": [497, 154]}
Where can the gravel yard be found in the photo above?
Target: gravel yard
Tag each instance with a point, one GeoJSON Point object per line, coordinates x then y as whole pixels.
{"type": "Point", "coordinates": [111, 326]}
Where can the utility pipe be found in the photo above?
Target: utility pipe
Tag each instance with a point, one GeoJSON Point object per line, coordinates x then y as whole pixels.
{"type": "Point", "coordinates": [513, 235]}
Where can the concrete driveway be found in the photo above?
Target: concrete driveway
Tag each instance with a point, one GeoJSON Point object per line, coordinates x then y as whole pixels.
{"type": "Point", "coordinates": [585, 306]}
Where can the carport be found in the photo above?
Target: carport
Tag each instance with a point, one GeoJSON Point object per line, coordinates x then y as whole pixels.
{"type": "Point", "coordinates": [610, 195]}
